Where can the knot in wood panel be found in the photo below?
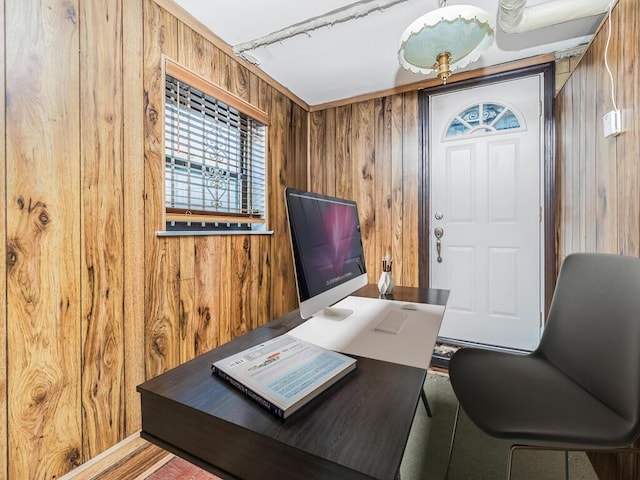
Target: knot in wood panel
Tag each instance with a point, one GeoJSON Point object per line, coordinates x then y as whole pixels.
{"type": "Point", "coordinates": [159, 343]}
{"type": "Point", "coordinates": [73, 457]}
{"type": "Point", "coordinates": [12, 258]}
{"type": "Point", "coordinates": [152, 113]}
{"type": "Point", "coordinates": [71, 14]}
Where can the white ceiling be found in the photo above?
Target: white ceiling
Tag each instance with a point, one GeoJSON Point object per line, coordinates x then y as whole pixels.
{"type": "Point", "coordinates": [358, 56]}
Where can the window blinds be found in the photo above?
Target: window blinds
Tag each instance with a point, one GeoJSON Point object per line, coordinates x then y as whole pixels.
{"type": "Point", "coordinates": [214, 156]}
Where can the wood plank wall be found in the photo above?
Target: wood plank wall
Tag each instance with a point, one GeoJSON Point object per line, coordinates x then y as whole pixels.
{"type": "Point", "coordinates": [599, 178]}
{"type": "Point", "coordinates": [95, 301]}
{"type": "Point", "coordinates": [369, 152]}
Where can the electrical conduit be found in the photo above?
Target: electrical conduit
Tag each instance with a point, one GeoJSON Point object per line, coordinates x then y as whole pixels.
{"type": "Point", "coordinates": [515, 17]}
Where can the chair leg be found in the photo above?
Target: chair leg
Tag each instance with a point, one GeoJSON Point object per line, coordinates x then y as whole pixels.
{"type": "Point", "coordinates": [426, 402]}
{"type": "Point", "coordinates": [453, 438]}
{"type": "Point", "coordinates": [509, 464]}
{"type": "Point", "coordinates": [513, 449]}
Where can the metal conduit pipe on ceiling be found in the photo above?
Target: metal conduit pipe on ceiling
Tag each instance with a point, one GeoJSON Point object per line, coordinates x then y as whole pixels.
{"type": "Point", "coordinates": [515, 17]}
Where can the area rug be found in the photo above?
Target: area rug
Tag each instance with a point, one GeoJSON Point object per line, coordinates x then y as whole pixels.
{"type": "Point", "coordinates": [179, 469]}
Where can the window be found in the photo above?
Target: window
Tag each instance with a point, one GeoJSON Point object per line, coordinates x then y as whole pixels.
{"type": "Point", "coordinates": [483, 118]}
{"type": "Point", "coordinates": [215, 157]}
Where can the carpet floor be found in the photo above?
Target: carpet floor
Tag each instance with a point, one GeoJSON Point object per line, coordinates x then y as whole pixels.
{"type": "Point", "coordinates": [476, 456]}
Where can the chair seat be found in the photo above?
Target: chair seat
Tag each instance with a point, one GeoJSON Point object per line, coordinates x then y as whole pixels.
{"type": "Point", "coordinates": [525, 399]}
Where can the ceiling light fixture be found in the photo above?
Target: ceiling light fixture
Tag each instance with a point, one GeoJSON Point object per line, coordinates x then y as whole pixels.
{"type": "Point", "coordinates": [446, 39]}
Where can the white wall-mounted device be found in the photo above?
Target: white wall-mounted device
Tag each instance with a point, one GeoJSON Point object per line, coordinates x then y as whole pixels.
{"type": "Point", "coordinates": [612, 123]}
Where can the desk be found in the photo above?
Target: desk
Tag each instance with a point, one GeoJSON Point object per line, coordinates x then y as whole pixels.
{"type": "Point", "coordinates": [357, 429]}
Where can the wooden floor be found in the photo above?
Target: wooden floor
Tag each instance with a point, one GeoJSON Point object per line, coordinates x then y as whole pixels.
{"type": "Point", "coordinates": [137, 459]}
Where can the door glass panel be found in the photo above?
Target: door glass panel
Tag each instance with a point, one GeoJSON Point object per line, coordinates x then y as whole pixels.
{"type": "Point", "coordinates": [483, 118]}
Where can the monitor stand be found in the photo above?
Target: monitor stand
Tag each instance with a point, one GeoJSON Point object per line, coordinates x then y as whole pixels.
{"type": "Point", "coordinates": [334, 313]}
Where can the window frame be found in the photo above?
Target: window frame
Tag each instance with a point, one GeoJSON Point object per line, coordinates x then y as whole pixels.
{"type": "Point", "coordinates": [211, 223]}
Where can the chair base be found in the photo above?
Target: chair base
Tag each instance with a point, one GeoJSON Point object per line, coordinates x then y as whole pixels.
{"type": "Point", "coordinates": [631, 450]}
{"type": "Point", "coordinates": [634, 451]}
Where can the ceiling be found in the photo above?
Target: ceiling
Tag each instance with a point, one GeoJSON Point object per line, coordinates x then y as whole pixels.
{"type": "Point", "coordinates": [358, 53]}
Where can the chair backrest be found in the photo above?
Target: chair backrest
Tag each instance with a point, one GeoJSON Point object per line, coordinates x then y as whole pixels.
{"type": "Point", "coordinates": [593, 329]}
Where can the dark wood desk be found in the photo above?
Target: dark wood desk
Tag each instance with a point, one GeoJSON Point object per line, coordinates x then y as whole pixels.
{"type": "Point", "coordinates": [357, 429]}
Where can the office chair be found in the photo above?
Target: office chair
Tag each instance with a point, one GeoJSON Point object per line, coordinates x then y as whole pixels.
{"type": "Point", "coordinates": [580, 389]}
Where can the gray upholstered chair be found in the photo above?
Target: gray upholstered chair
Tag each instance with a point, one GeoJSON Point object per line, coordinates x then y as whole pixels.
{"type": "Point", "coordinates": [580, 389]}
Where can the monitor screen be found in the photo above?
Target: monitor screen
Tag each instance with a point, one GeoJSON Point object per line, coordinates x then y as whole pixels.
{"type": "Point", "coordinates": [327, 249]}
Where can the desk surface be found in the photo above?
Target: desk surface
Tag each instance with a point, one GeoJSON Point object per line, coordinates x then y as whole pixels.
{"type": "Point", "coordinates": [357, 429]}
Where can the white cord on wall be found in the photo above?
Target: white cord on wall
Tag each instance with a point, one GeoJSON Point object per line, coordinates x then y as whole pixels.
{"type": "Point", "coordinates": [606, 61]}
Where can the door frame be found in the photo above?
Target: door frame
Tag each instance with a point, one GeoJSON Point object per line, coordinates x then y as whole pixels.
{"type": "Point", "coordinates": [549, 168]}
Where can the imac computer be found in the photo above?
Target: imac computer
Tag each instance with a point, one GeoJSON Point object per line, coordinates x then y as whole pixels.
{"type": "Point", "coordinates": [327, 251]}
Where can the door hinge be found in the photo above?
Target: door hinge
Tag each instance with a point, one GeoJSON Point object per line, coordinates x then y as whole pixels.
{"type": "Point", "coordinates": [541, 321]}
{"type": "Point", "coordinates": [540, 214]}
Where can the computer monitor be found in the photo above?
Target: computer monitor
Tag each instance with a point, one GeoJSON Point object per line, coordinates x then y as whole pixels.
{"type": "Point", "coordinates": [327, 251]}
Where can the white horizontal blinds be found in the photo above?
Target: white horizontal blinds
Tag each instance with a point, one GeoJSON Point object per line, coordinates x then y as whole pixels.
{"type": "Point", "coordinates": [215, 157]}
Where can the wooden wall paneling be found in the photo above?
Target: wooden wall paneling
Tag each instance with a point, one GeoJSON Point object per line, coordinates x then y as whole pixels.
{"type": "Point", "coordinates": [319, 151]}
{"type": "Point", "coordinates": [589, 185]}
{"type": "Point", "coordinates": [606, 168]}
{"type": "Point", "coordinates": [240, 277]}
{"type": "Point", "coordinates": [609, 174]}
{"type": "Point", "coordinates": [343, 151]}
{"type": "Point", "coordinates": [134, 218]}
{"type": "Point", "coordinates": [558, 106]}
{"type": "Point", "coordinates": [382, 181]}
{"type": "Point", "coordinates": [576, 161]}
{"type": "Point", "coordinates": [281, 159]}
{"type": "Point", "coordinates": [162, 266]}
{"type": "Point", "coordinates": [330, 154]}
{"type": "Point", "coordinates": [102, 228]}
{"type": "Point", "coordinates": [362, 175]}
{"type": "Point", "coordinates": [628, 145]}
{"type": "Point", "coordinates": [43, 238]}
{"type": "Point", "coordinates": [567, 169]}
{"type": "Point", "coordinates": [261, 245]}
{"type": "Point", "coordinates": [299, 147]}
{"type": "Point", "coordinates": [197, 54]}
{"type": "Point", "coordinates": [205, 334]}
{"type": "Point", "coordinates": [224, 300]}
{"type": "Point", "coordinates": [410, 157]}
{"type": "Point", "coordinates": [397, 195]}
{"type": "Point", "coordinates": [260, 283]}
{"type": "Point", "coordinates": [189, 53]}
{"type": "Point", "coordinates": [236, 79]}
{"type": "Point", "coordinates": [581, 162]}
{"type": "Point", "coordinates": [187, 324]}
{"type": "Point", "coordinates": [3, 264]}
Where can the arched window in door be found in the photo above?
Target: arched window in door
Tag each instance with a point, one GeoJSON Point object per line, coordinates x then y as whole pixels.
{"type": "Point", "coordinates": [483, 118]}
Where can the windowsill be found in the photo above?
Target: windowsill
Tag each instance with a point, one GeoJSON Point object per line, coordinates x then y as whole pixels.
{"type": "Point", "coordinates": [166, 233]}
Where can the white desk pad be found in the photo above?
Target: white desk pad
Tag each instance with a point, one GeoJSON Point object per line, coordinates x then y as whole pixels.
{"type": "Point", "coordinates": [417, 327]}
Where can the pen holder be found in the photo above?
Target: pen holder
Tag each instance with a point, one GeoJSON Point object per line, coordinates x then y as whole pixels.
{"type": "Point", "coordinates": [385, 284]}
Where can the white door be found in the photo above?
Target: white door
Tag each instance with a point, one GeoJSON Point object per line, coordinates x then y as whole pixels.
{"type": "Point", "coordinates": [486, 199]}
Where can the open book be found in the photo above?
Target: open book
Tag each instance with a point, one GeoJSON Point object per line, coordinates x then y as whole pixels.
{"type": "Point", "coordinates": [284, 373]}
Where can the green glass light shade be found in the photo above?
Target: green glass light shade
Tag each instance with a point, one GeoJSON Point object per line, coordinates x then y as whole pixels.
{"type": "Point", "coordinates": [462, 31]}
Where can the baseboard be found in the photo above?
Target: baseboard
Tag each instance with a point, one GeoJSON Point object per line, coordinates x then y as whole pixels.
{"type": "Point", "coordinates": [107, 460]}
